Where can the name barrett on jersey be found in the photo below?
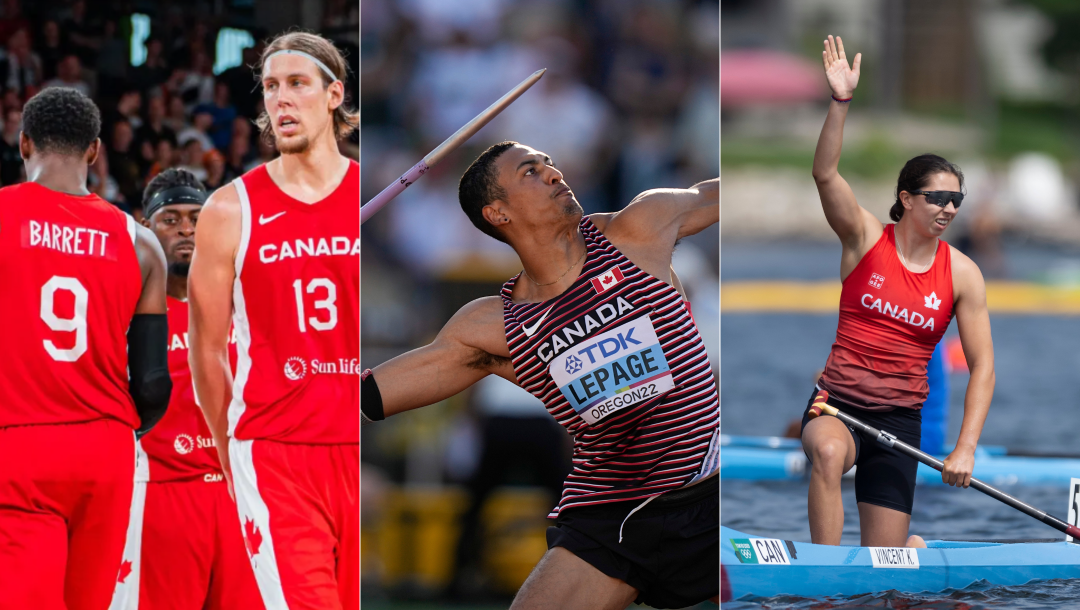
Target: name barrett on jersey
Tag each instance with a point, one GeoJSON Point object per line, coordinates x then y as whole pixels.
{"type": "Point", "coordinates": [81, 241]}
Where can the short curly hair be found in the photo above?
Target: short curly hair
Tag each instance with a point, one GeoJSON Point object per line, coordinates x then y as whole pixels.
{"type": "Point", "coordinates": [480, 186]}
{"type": "Point", "coordinates": [61, 120]}
{"type": "Point", "coordinates": [169, 178]}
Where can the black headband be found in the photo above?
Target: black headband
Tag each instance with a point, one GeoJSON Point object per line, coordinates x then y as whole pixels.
{"type": "Point", "coordinates": [174, 196]}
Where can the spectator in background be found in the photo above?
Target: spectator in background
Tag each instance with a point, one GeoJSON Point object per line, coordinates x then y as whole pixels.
{"type": "Point", "coordinates": [51, 50]}
{"type": "Point", "coordinates": [11, 163]}
{"type": "Point", "coordinates": [124, 163]}
{"type": "Point", "coordinates": [191, 157]}
{"type": "Point", "coordinates": [69, 74]}
{"type": "Point", "coordinates": [164, 157]}
{"type": "Point", "coordinates": [176, 120]}
{"type": "Point", "coordinates": [223, 114]}
{"type": "Point", "coordinates": [20, 67]}
{"type": "Point", "coordinates": [239, 149]}
{"type": "Point", "coordinates": [199, 130]}
{"type": "Point", "coordinates": [154, 72]}
{"type": "Point", "coordinates": [243, 88]}
{"type": "Point", "coordinates": [214, 162]}
{"type": "Point", "coordinates": [11, 98]}
{"type": "Point", "coordinates": [112, 61]}
{"type": "Point", "coordinates": [102, 184]}
{"type": "Point", "coordinates": [128, 108]}
{"type": "Point", "coordinates": [12, 21]}
{"type": "Point", "coordinates": [154, 127]}
{"type": "Point", "coordinates": [83, 36]}
{"type": "Point", "coordinates": [197, 85]}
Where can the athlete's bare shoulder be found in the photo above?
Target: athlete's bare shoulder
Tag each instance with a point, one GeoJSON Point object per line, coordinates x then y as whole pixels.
{"type": "Point", "coordinates": [967, 277]}
{"type": "Point", "coordinates": [220, 221]}
{"type": "Point", "coordinates": [601, 220]}
{"type": "Point", "coordinates": [660, 217]}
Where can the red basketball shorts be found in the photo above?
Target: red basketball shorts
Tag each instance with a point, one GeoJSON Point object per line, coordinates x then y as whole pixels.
{"type": "Point", "coordinates": [185, 550]}
{"type": "Point", "coordinates": [65, 496]}
{"type": "Point", "coordinates": [299, 509]}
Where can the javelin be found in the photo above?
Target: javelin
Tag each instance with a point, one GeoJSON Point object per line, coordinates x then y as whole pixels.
{"type": "Point", "coordinates": [378, 201]}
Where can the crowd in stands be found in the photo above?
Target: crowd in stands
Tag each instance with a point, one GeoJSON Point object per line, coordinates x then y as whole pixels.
{"type": "Point", "coordinates": [171, 110]}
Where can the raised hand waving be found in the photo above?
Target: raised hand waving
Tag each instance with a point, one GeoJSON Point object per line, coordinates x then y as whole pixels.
{"type": "Point", "coordinates": [842, 78]}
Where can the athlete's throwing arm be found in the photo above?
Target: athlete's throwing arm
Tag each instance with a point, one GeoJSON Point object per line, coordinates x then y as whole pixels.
{"type": "Point", "coordinates": [472, 345]}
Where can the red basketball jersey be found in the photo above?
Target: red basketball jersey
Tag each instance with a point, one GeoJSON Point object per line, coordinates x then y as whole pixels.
{"type": "Point", "coordinates": [69, 284]}
{"type": "Point", "coordinates": [297, 314]}
{"type": "Point", "coordinates": [180, 446]}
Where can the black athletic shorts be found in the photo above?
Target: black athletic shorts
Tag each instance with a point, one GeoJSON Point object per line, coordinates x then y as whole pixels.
{"type": "Point", "coordinates": [670, 550]}
{"type": "Point", "coordinates": [883, 475]}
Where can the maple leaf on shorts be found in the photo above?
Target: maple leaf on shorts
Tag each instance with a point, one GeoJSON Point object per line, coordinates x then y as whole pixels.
{"type": "Point", "coordinates": [125, 571]}
{"type": "Point", "coordinates": [252, 537]}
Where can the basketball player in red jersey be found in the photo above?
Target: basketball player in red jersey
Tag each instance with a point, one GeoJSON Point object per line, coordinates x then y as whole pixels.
{"type": "Point", "coordinates": [595, 326]}
{"type": "Point", "coordinates": [83, 287]}
{"type": "Point", "coordinates": [278, 252]}
{"type": "Point", "coordinates": [901, 287]}
{"type": "Point", "coordinates": [184, 550]}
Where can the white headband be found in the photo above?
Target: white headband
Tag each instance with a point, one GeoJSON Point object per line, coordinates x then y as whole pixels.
{"type": "Point", "coordinates": [314, 60]}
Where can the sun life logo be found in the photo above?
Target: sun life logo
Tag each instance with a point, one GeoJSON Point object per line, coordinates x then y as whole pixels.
{"type": "Point", "coordinates": [184, 444]}
{"type": "Point", "coordinates": [932, 301]}
{"type": "Point", "coordinates": [295, 368]}
{"type": "Point", "coordinates": [573, 365]}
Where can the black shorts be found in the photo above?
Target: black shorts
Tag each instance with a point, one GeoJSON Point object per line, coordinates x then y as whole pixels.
{"type": "Point", "coordinates": [670, 551]}
{"type": "Point", "coordinates": [884, 476]}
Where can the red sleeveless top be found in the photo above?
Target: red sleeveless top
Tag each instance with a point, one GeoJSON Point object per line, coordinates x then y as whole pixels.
{"type": "Point", "coordinates": [69, 284]}
{"type": "Point", "coordinates": [297, 314]}
{"type": "Point", "coordinates": [891, 319]}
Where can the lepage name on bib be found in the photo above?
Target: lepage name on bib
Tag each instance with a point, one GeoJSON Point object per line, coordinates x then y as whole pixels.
{"type": "Point", "coordinates": [622, 367]}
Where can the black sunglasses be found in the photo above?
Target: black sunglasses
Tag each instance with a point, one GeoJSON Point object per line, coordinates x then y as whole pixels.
{"type": "Point", "coordinates": [942, 198]}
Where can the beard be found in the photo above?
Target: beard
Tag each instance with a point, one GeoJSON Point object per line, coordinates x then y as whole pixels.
{"type": "Point", "coordinates": [179, 269]}
{"type": "Point", "coordinates": [295, 146]}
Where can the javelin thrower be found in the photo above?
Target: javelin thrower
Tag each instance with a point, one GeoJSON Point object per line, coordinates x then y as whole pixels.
{"type": "Point", "coordinates": [597, 328]}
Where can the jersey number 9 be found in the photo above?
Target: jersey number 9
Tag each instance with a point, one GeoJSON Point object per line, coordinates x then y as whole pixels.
{"type": "Point", "coordinates": [76, 323]}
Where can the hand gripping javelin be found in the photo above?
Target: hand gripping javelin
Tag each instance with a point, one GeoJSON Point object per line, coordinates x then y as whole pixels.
{"type": "Point", "coordinates": [460, 137]}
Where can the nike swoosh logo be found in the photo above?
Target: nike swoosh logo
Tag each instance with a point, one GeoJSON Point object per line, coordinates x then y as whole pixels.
{"type": "Point", "coordinates": [265, 219]}
{"type": "Point", "coordinates": [529, 331]}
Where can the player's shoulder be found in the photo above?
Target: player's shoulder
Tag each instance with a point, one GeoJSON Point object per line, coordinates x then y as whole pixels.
{"type": "Point", "coordinates": [482, 312]}
{"type": "Point", "coordinates": [223, 203]}
{"type": "Point", "coordinates": [964, 270]}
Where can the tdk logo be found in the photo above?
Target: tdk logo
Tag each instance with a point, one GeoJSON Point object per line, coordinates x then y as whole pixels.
{"type": "Point", "coordinates": [573, 365]}
{"type": "Point", "coordinates": [611, 346]}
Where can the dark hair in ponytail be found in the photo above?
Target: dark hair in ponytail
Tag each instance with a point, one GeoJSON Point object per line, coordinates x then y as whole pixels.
{"type": "Point", "coordinates": [916, 174]}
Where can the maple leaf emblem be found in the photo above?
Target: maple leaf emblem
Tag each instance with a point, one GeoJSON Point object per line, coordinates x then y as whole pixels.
{"type": "Point", "coordinates": [608, 279]}
{"type": "Point", "coordinates": [932, 302]}
{"type": "Point", "coordinates": [252, 537]}
{"type": "Point", "coordinates": [125, 571]}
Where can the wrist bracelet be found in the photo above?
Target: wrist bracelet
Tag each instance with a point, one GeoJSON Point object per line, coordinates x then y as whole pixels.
{"type": "Point", "coordinates": [842, 101]}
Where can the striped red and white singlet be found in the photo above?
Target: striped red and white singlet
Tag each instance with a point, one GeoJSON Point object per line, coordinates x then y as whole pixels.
{"type": "Point", "coordinates": [619, 363]}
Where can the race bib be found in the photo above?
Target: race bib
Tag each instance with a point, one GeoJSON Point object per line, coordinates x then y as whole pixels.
{"type": "Point", "coordinates": [620, 368]}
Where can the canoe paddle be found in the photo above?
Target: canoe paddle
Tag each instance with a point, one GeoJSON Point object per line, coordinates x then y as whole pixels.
{"type": "Point", "coordinates": [821, 407]}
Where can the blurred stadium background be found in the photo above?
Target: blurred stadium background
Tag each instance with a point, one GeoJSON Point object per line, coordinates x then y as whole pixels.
{"type": "Point", "coordinates": [991, 85]}
{"type": "Point", "coordinates": [172, 78]}
{"type": "Point", "coordinates": [630, 102]}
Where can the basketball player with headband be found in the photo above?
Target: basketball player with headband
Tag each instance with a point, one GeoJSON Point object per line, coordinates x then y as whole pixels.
{"type": "Point", "coordinates": [278, 256]}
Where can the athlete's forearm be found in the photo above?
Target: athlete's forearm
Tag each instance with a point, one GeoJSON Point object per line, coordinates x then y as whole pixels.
{"type": "Point", "coordinates": [980, 391]}
{"type": "Point", "coordinates": [212, 377]}
{"type": "Point", "coordinates": [830, 142]}
{"type": "Point", "coordinates": [424, 377]}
